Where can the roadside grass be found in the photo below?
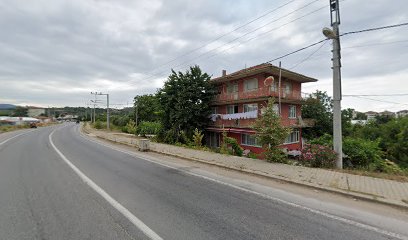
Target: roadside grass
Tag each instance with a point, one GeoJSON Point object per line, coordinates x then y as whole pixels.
{"type": "Point", "coordinates": [400, 177]}
{"type": "Point", "coordinates": [4, 129]}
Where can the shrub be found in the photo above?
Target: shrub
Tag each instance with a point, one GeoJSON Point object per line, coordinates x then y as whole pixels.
{"type": "Point", "coordinates": [182, 138]}
{"type": "Point", "coordinates": [99, 125]}
{"type": "Point", "coordinates": [130, 127]}
{"type": "Point", "coordinates": [385, 166]}
{"type": "Point", "coordinates": [229, 141]}
{"type": "Point", "coordinates": [315, 155]}
{"type": "Point", "coordinates": [198, 138]}
{"type": "Point", "coordinates": [149, 128]}
{"type": "Point", "coordinates": [325, 140]}
{"type": "Point", "coordinates": [360, 152]}
{"type": "Point", "coordinates": [275, 155]}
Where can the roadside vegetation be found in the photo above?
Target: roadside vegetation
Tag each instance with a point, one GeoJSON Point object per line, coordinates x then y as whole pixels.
{"type": "Point", "coordinates": [178, 114]}
{"type": "Point", "coordinates": [380, 146]}
{"type": "Point", "coordinates": [13, 128]}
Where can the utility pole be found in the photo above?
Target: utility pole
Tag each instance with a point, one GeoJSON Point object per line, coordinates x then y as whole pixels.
{"type": "Point", "coordinates": [107, 108]}
{"type": "Point", "coordinates": [337, 95]}
{"type": "Point", "coordinates": [94, 105]}
{"type": "Point", "coordinates": [279, 88]}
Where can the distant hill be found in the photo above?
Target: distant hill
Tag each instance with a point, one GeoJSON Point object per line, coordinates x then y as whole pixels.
{"type": "Point", "coordinates": [7, 106]}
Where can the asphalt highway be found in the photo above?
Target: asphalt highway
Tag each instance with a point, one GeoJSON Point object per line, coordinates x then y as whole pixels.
{"type": "Point", "coordinates": [56, 183]}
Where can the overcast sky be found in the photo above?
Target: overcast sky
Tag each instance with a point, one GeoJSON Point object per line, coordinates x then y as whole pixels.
{"type": "Point", "coordinates": [53, 53]}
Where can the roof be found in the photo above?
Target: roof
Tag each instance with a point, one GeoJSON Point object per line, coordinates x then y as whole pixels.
{"type": "Point", "coordinates": [371, 112]}
{"type": "Point", "coordinates": [264, 68]}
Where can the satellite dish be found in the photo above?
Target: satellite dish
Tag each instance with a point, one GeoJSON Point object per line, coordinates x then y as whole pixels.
{"type": "Point", "coordinates": [269, 81]}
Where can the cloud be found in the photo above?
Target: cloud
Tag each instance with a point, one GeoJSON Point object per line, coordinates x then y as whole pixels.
{"type": "Point", "coordinates": [54, 52]}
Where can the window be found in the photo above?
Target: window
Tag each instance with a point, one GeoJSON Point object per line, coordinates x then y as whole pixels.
{"type": "Point", "coordinates": [250, 107]}
{"type": "Point", "coordinates": [231, 109]}
{"type": "Point", "coordinates": [214, 110]}
{"type": "Point", "coordinates": [275, 86]}
{"type": "Point", "coordinates": [293, 136]}
{"type": "Point", "coordinates": [251, 84]}
{"type": "Point", "coordinates": [292, 111]}
{"type": "Point", "coordinates": [249, 140]}
{"type": "Point", "coordinates": [288, 88]}
{"type": "Point", "coordinates": [232, 88]}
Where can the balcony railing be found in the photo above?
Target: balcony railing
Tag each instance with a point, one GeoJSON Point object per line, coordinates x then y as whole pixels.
{"type": "Point", "coordinates": [260, 92]}
{"type": "Point", "coordinates": [225, 121]}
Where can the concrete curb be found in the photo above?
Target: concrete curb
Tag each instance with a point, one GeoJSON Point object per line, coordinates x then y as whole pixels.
{"type": "Point", "coordinates": [360, 196]}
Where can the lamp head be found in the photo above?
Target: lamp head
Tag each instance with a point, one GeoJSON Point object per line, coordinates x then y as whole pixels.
{"type": "Point", "coordinates": [329, 33]}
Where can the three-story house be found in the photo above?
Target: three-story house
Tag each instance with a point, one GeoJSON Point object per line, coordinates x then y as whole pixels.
{"type": "Point", "coordinates": [242, 97]}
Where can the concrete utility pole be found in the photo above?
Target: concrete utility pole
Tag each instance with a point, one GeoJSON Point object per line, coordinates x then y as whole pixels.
{"type": "Point", "coordinates": [337, 96]}
{"type": "Point", "coordinates": [107, 108]}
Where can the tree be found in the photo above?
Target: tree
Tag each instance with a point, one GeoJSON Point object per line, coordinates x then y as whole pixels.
{"type": "Point", "coordinates": [318, 106]}
{"type": "Point", "coordinates": [185, 101]}
{"type": "Point", "coordinates": [271, 133]}
{"type": "Point", "coordinates": [147, 108]}
{"type": "Point", "coordinates": [346, 116]}
{"type": "Point", "coordinates": [360, 116]}
{"type": "Point", "coordinates": [20, 112]}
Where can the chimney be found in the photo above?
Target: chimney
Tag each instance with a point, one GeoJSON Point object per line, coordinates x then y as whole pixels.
{"type": "Point", "coordinates": [224, 73]}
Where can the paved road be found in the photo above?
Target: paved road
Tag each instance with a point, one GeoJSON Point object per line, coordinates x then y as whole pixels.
{"type": "Point", "coordinates": [85, 190]}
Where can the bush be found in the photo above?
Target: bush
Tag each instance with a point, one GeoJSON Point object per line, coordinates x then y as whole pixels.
{"type": "Point", "coordinates": [361, 153]}
{"type": "Point", "coordinates": [229, 141]}
{"type": "Point", "coordinates": [315, 155]}
{"type": "Point", "coordinates": [275, 155]}
{"type": "Point", "coordinates": [99, 125]}
{"type": "Point", "coordinates": [149, 128]}
{"type": "Point", "coordinates": [130, 127]}
{"type": "Point", "coordinates": [325, 140]}
{"type": "Point", "coordinates": [183, 139]}
{"type": "Point", "coordinates": [385, 166]}
{"type": "Point", "coordinates": [198, 138]}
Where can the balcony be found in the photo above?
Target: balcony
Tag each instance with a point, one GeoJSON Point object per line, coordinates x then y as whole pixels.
{"type": "Point", "coordinates": [258, 93]}
{"type": "Point", "coordinates": [238, 121]}
{"type": "Point", "coordinates": [241, 120]}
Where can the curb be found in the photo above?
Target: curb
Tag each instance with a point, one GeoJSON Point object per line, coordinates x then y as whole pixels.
{"type": "Point", "coordinates": [360, 196]}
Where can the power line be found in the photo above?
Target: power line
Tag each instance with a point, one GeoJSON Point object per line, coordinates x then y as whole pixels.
{"type": "Point", "coordinates": [299, 50]}
{"type": "Point", "coordinates": [343, 34]}
{"type": "Point", "coordinates": [225, 34]}
{"type": "Point", "coordinates": [250, 39]}
{"type": "Point", "coordinates": [308, 57]}
{"type": "Point", "coordinates": [221, 36]}
{"type": "Point", "coordinates": [375, 95]}
{"type": "Point", "coordinates": [374, 29]}
{"type": "Point", "coordinates": [377, 100]}
{"type": "Point", "coordinates": [245, 34]}
{"type": "Point", "coordinates": [267, 32]}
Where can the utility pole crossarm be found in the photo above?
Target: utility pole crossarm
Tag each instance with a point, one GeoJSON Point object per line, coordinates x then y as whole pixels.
{"type": "Point", "coordinates": [107, 107]}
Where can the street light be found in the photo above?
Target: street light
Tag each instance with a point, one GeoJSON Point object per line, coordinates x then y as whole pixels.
{"type": "Point", "coordinates": [337, 96]}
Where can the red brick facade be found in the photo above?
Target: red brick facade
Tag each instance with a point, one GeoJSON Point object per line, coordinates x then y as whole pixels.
{"type": "Point", "coordinates": [246, 91]}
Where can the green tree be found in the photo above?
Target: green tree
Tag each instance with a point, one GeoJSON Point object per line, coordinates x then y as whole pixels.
{"type": "Point", "coordinates": [20, 112]}
{"type": "Point", "coordinates": [346, 116]}
{"type": "Point", "coordinates": [319, 107]}
{"type": "Point", "coordinates": [360, 116]}
{"type": "Point", "coordinates": [271, 133]}
{"type": "Point", "coordinates": [147, 108]}
{"type": "Point", "coordinates": [185, 100]}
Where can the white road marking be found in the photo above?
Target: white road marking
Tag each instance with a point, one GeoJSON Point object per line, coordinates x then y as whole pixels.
{"type": "Point", "coordinates": [1, 143]}
{"type": "Point", "coordinates": [132, 218]}
{"type": "Point", "coordinates": [328, 215]}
